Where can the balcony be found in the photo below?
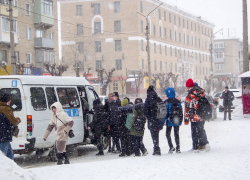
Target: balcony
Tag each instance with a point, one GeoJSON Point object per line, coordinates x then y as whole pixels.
{"type": "Point", "coordinates": [43, 14]}
{"type": "Point", "coordinates": [219, 60]}
{"type": "Point", "coordinates": [4, 10]}
{"type": "Point", "coordinates": [44, 43]}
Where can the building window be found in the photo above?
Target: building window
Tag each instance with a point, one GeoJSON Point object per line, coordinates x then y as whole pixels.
{"type": "Point", "coordinates": [98, 46]}
{"type": "Point", "coordinates": [175, 35]}
{"type": "Point", "coordinates": [170, 50]}
{"type": "Point", "coordinates": [160, 31]}
{"type": "Point", "coordinates": [154, 48]}
{"type": "Point", "coordinates": [170, 34]}
{"type": "Point", "coordinates": [117, 26]}
{"type": "Point", "coordinates": [79, 28]}
{"type": "Point", "coordinates": [98, 64]}
{"type": "Point", "coordinates": [179, 21]}
{"type": "Point", "coordinates": [188, 39]}
{"type": "Point", "coordinates": [154, 11]}
{"type": "Point", "coordinates": [175, 67]}
{"type": "Point", "coordinates": [160, 66]}
{"type": "Point", "coordinates": [28, 58]}
{"type": "Point", "coordinates": [47, 7]}
{"type": "Point", "coordinates": [155, 65]}
{"type": "Point", "coordinates": [195, 55]}
{"type": "Point", "coordinates": [192, 40]}
{"type": "Point", "coordinates": [184, 40]}
{"type": "Point", "coordinates": [27, 9]}
{"type": "Point", "coordinates": [187, 24]}
{"type": "Point", "coordinates": [51, 35]}
{"type": "Point", "coordinates": [169, 17]}
{"type": "Point", "coordinates": [218, 45]}
{"type": "Point", "coordinates": [16, 56]}
{"type": "Point", "coordinates": [97, 27]}
{"type": "Point", "coordinates": [170, 67]}
{"type": "Point", "coordinates": [200, 70]}
{"type": "Point", "coordinates": [160, 48]}
{"type": "Point", "coordinates": [40, 33]}
{"type": "Point", "coordinates": [115, 86]}
{"type": "Point", "coordinates": [165, 16]}
{"type": "Point", "coordinates": [179, 37]}
{"type": "Point", "coordinates": [141, 26]}
{"type": "Point", "coordinates": [142, 45]}
{"type": "Point", "coordinates": [118, 45]}
{"type": "Point", "coordinates": [141, 7]}
{"type": "Point", "coordinates": [175, 52]}
{"type": "Point", "coordinates": [80, 47]}
{"type": "Point", "coordinates": [117, 7]}
{"type": "Point", "coordinates": [198, 28]}
{"type": "Point", "coordinates": [219, 66]}
{"type": "Point", "coordinates": [174, 20]}
{"type": "Point", "coordinates": [118, 64]}
{"type": "Point", "coordinates": [191, 26]}
{"type": "Point", "coordinates": [6, 25]}
{"type": "Point", "coordinates": [165, 50]}
{"type": "Point", "coordinates": [97, 8]}
{"type": "Point", "coordinates": [166, 66]}
{"type": "Point", "coordinates": [3, 56]}
{"type": "Point", "coordinates": [165, 32]}
{"type": "Point", "coordinates": [154, 29]}
{"type": "Point", "coordinates": [28, 33]}
{"type": "Point", "coordinates": [159, 10]}
{"type": "Point", "coordinates": [183, 23]}
{"type": "Point", "coordinates": [79, 10]}
{"type": "Point", "coordinates": [219, 54]}
{"type": "Point", "coordinates": [142, 64]}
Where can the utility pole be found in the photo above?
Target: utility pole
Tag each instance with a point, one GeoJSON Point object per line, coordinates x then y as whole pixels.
{"type": "Point", "coordinates": [12, 40]}
{"type": "Point", "coordinates": [77, 67]}
{"type": "Point", "coordinates": [245, 38]}
{"type": "Point", "coordinates": [148, 46]}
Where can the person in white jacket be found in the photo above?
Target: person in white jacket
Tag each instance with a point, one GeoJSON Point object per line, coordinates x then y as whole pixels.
{"type": "Point", "coordinates": [62, 124]}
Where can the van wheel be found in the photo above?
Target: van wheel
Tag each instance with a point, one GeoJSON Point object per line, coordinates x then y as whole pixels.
{"type": "Point", "coordinates": [105, 142]}
{"type": "Point", "coordinates": [52, 153]}
{"type": "Point", "coordinates": [39, 151]}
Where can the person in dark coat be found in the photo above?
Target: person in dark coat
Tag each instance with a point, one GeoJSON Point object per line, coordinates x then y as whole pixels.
{"type": "Point", "coordinates": [154, 124]}
{"type": "Point", "coordinates": [114, 119]}
{"type": "Point", "coordinates": [170, 92]}
{"type": "Point", "coordinates": [228, 98]}
{"type": "Point", "coordinates": [99, 124]}
{"type": "Point", "coordinates": [7, 123]}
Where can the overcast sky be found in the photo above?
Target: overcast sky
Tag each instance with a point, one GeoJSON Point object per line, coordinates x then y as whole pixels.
{"type": "Point", "coordinates": [223, 13]}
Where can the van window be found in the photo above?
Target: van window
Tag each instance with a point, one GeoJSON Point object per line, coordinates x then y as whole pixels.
{"type": "Point", "coordinates": [16, 102]}
{"type": "Point", "coordinates": [38, 100]}
{"type": "Point", "coordinates": [92, 94]}
{"type": "Point", "coordinates": [51, 96]}
{"type": "Point", "coordinates": [68, 97]}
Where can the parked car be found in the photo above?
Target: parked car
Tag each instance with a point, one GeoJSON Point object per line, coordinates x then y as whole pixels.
{"type": "Point", "coordinates": [213, 105]}
{"type": "Point", "coordinates": [237, 99]}
{"type": "Point", "coordinates": [183, 97]}
{"type": "Point", "coordinates": [103, 98]}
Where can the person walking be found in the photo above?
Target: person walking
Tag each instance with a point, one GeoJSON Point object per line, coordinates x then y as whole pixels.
{"type": "Point", "coordinates": [62, 124]}
{"type": "Point", "coordinates": [154, 124]}
{"type": "Point", "coordinates": [8, 122]}
{"type": "Point", "coordinates": [99, 124]}
{"type": "Point", "coordinates": [137, 129]}
{"type": "Point", "coordinates": [191, 106]}
{"type": "Point", "coordinates": [172, 102]}
{"type": "Point", "coordinates": [228, 98]}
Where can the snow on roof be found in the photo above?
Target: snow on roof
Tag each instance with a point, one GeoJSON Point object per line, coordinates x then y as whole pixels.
{"type": "Point", "coordinates": [48, 80]}
{"type": "Point", "coordinates": [246, 74]}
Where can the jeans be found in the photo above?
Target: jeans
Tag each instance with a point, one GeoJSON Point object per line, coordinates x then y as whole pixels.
{"type": "Point", "coordinates": [7, 150]}
{"type": "Point", "coordinates": [176, 135]}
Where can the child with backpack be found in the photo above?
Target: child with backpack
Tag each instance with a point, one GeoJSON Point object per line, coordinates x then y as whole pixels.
{"type": "Point", "coordinates": [174, 119]}
{"type": "Point", "coordinates": [137, 129]}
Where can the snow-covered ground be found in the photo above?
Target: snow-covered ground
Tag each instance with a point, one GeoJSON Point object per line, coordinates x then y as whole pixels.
{"type": "Point", "coordinates": [229, 158]}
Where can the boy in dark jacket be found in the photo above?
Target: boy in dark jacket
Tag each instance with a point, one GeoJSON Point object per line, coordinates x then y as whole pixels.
{"type": "Point", "coordinates": [170, 92]}
{"type": "Point", "coordinates": [227, 97]}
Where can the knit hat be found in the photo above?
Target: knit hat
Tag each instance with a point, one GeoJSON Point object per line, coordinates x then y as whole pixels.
{"type": "Point", "coordinates": [116, 94]}
{"type": "Point", "coordinates": [226, 87]}
{"type": "Point", "coordinates": [124, 102]}
{"type": "Point", "coordinates": [190, 83]}
{"type": "Point", "coordinates": [4, 97]}
{"type": "Point", "coordinates": [196, 84]}
{"type": "Point", "coordinates": [138, 100]}
{"type": "Point", "coordinates": [150, 89]}
{"type": "Point", "coordinates": [127, 99]}
{"type": "Point", "coordinates": [96, 102]}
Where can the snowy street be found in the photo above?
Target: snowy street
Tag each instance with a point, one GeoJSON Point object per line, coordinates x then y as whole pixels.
{"type": "Point", "coordinates": [229, 158]}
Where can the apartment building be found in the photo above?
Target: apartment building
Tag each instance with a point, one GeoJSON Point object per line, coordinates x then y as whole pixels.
{"type": "Point", "coordinates": [111, 34]}
{"type": "Point", "coordinates": [35, 28]}
{"type": "Point", "coordinates": [228, 58]}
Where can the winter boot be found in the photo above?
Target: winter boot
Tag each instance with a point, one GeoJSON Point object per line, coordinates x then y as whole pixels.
{"type": "Point", "coordinates": [157, 151]}
{"type": "Point", "coordinates": [171, 150]}
{"type": "Point", "coordinates": [138, 155]}
{"type": "Point", "coordinates": [100, 153]}
{"type": "Point", "coordinates": [59, 158]}
{"type": "Point", "coordinates": [145, 153]}
{"type": "Point", "coordinates": [109, 151]}
{"type": "Point", "coordinates": [66, 158]}
{"type": "Point", "coordinates": [122, 155]}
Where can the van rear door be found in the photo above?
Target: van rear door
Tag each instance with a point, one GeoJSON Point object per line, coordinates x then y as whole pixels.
{"type": "Point", "coordinates": [15, 89]}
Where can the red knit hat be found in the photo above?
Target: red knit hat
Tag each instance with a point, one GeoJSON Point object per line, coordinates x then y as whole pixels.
{"type": "Point", "coordinates": [190, 83]}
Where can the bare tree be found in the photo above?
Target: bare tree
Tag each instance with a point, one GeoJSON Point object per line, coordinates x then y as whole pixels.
{"type": "Point", "coordinates": [123, 81]}
{"type": "Point", "coordinates": [55, 70]}
{"type": "Point", "coordinates": [139, 76]}
{"type": "Point", "coordinates": [104, 78]}
{"type": "Point", "coordinates": [85, 74]}
{"type": "Point", "coordinates": [175, 79]}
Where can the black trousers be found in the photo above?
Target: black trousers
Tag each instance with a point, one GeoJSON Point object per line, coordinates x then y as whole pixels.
{"type": "Point", "coordinates": [227, 108]}
{"type": "Point", "coordinates": [203, 136]}
{"type": "Point", "coordinates": [125, 142]}
{"type": "Point", "coordinates": [155, 138]}
{"type": "Point", "coordinates": [99, 142]}
{"type": "Point", "coordinates": [176, 135]}
{"type": "Point", "coordinates": [199, 136]}
{"type": "Point", "coordinates": [115, 136]}
{"type": "Point", "coordinates": [137, 143]}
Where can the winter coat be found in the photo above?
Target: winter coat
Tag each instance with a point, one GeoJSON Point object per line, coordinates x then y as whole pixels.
{"type": "Point", "coordinates": [114, 112]}
{"type": "Point", "coordinates": [150, 111]}
{"type": "Point", "coordinates": [99, 123]}
{"type": "Point", "coordinates": [132, 130]}
{"type": "Point", "coordinates": [107, 109]}
{"type": "Point", "coordinates": [227, 98]}
{"type": "Point", "coordinates": [58, 125]}
{"type": "Point", "coordinates": [170, 92]}
{"type": "Point", "coordinates": [7, 122]}
{"type": "Point", "coordinates": [191, 104]}
{"type": "Point", "coordinates": [124, 110]}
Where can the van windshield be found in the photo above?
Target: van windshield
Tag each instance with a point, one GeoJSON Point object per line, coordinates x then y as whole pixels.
{"type": "Point", "coordinates": [16, 102]}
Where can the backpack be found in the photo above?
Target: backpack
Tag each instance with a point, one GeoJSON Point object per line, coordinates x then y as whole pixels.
{"type": "Point", "coordinates": [129, 120]}
{"type": "Point", "coordinates": [161, 110]}
{"type": "Point", "coordinates": [176, 115]}
{"type": "Point", "coordinates": [139, 122]}
{"type": "Point", "coordinates": [204, 109]}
